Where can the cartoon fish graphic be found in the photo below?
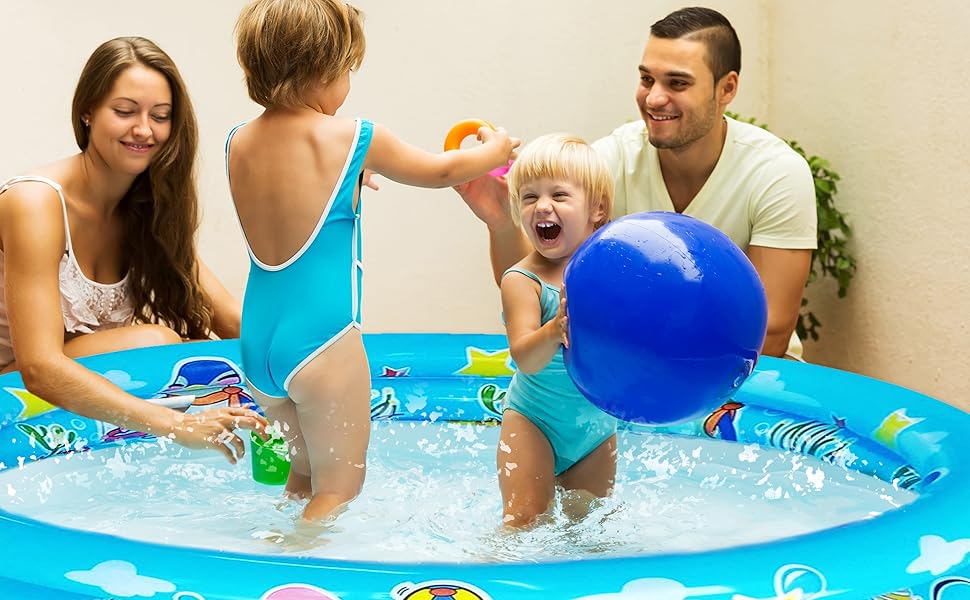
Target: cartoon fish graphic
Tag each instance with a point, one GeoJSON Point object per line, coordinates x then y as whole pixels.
{"type": "Point", "coordinates": [210, 381]}
{"type": "Point", "coordinates": [197, 381]}
{"type": "Point", "coordinates": [722, 421]}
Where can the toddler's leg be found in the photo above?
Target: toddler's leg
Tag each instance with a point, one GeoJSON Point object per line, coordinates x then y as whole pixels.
{"type": "Point", "coordinates": [595, 475]}
{"type": "Point", "coordinates": [526, 470]}
{"type": "Point", "coordinates": [332, 401]}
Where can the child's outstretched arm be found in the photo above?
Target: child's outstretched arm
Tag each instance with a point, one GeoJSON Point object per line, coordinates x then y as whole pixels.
{"type": "Point", "coordinates": [399, 161]}
{"type": "Point", "coordinates": [531, 344]}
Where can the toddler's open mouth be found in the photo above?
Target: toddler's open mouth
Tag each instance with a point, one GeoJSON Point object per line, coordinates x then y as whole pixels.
{"type": "Point", "coordinates": [548, 231]}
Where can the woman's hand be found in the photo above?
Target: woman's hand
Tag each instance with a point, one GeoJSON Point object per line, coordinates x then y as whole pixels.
{"type": "Point", "coordinates": [214, 429]}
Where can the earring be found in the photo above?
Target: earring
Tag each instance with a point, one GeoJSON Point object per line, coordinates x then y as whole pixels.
{"type": "Point", "coordinates": [87, 122]}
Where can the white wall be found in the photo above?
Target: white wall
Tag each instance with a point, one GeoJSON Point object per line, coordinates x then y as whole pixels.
{"type": "Point", "coordinates": [532, 67]}
{"type": "Point", "coordinates": [880, 89]}
{"type": "Point", "coordinates": [881, 97]}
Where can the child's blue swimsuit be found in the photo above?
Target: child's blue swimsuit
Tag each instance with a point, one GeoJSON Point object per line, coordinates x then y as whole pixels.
{"type": "Point", "coordinates": [551, 401]}
{"type": "Point", "coordinates": [294, 311]}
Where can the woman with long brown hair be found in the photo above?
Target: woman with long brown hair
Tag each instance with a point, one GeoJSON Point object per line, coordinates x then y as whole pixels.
{"type": "Point", "coordinates": [97, 251]}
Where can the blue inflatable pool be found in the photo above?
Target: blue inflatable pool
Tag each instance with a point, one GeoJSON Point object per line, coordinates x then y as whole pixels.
{"type": "Point", "coordinates": [917, 551]}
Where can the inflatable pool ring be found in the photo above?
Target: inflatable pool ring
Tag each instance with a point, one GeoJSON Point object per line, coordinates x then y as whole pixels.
{"type": "Point", "coordinates": [874, 428]}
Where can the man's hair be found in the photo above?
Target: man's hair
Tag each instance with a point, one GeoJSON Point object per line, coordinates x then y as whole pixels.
{"type": "Point", "coordinates": [708, 26]}
{"type": "Point", "coordinates": [563, 157]}
{"type": "Point", "coordinates": [287, 46]}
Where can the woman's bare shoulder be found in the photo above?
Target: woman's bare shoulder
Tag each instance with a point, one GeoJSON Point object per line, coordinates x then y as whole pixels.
{"type": "Point", "coordinates": [34, 206]}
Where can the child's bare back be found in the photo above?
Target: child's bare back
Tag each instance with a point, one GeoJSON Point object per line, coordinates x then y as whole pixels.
{"type": "Point", "coordinates": [285, 165]}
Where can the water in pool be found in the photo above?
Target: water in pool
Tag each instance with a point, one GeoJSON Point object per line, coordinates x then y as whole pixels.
{"type": "Point", "coordinates": [431, 495]}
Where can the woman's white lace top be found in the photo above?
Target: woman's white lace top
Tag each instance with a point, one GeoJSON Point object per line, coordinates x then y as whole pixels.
{"type": "Point", "coordinates": [87, 306]}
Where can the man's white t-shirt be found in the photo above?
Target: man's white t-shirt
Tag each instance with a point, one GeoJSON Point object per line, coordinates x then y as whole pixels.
{"type": "Point", "coordinates": [761, 192]}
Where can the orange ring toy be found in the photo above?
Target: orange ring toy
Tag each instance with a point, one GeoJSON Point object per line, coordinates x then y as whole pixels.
{"type": "Point", "coordinates": [463, 129]}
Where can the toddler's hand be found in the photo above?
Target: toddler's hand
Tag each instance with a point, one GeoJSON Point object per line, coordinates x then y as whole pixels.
{"type": "Point", "coordinates": [500, 139]}
{"type": "Point", "coordinates": [368, 180]}
{"type": "Point", "coordinates": [563, 319]}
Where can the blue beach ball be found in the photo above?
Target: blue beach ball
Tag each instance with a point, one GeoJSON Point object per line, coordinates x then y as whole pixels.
{"type": "Point", "coordinates": [667, 317]}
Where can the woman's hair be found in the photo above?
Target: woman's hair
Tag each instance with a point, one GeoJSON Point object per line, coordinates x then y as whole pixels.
{"type": "Point", "coordinates": [287, 46]}
{"type": "Point", "coordinates": [161, 209]}
{"type": "Point", "coordinates": [564, 157]}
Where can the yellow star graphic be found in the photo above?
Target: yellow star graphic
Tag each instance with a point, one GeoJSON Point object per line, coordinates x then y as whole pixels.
{"type": "Point", "coordinates": [33, 405]}
{"type": "Point", "coordinates": [892, 426]}
{"type": "Point", "coordinates": [487, 364]}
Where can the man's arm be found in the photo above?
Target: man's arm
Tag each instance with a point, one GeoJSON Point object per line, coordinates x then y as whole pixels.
{"type": "Point", "coordinates": [506, 247]}
{"type": "Point", "coordinates": [488, 198]}
{"type": "Point", "coordinates": [783, 273]}
{"type": "Point", "coordinates": [784, 234]}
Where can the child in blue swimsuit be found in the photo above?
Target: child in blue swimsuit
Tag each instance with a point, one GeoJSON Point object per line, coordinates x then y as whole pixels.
{"type": "Point", "coordinates": [295, 174]}
{"type": "Point", "coordinates": [561, 192]}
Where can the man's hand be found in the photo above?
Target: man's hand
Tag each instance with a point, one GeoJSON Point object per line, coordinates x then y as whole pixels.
{"type": "Point", "coordinates": [488, 199]}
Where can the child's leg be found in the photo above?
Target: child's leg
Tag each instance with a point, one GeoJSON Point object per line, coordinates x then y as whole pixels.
{"type": "Point", "coordinates": [332, 402]}
{"type": "Point", "coordinates": [526, 470]}
{"type": "Point", "coordinates": [595, 475]}
{"type": "Point", "coordinates": [281, 414]}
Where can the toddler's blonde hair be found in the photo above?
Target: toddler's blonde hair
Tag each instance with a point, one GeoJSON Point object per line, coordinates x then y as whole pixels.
{"type": "Point", "coordinates": [565, 157]}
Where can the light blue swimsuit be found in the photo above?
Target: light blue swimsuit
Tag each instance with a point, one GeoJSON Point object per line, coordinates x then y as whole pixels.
{"type": "Point", "coordinates": [551, 401]}
{"type": "Point", "coordinates": [294, 311]}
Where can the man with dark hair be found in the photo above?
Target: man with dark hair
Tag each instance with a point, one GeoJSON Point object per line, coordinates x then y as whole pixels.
{"type": "Point", "coordinates": [743, 180]}
{"type": "Point", "coordinates": [707, 26]}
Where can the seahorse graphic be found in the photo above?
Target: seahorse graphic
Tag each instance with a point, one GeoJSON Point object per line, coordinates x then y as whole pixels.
{"type": "Point", "coordinates": [492, 398]}
{"type": "Point", "coordinates": [54, 438]}
{"type": "Point", "coordinates": [383, 404]}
